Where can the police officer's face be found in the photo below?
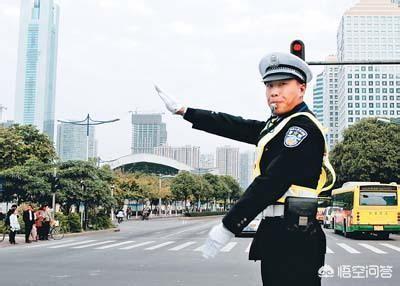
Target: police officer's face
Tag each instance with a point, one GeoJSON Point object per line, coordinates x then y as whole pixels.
{"type": "Point", "coordinates": [284, 94]}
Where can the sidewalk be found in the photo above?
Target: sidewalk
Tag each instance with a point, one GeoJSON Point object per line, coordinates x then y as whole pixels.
{"type": "Point", "coordinates": [20, 238]}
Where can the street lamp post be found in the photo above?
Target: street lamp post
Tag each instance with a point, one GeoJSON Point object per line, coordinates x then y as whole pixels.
{"type": "Point", "coordinates": [159, 189]}
{"type": "Point", "coordinates": [88, 121]}
{"type": "Point", "coordinates": [112, 208]}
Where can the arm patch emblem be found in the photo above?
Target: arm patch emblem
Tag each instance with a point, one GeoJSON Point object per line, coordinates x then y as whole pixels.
{"type": "Point", "coordinates": [294, 136]}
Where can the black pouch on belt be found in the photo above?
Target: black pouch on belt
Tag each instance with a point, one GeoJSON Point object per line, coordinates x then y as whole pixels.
{"type": "Point", "coordinates": [300, 214]}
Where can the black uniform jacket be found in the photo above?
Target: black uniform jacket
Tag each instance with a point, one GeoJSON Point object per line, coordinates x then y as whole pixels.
{"type": "Point", "coordinates": [280, 166]}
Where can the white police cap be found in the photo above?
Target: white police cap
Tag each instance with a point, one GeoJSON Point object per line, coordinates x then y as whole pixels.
{"type": "Point", "coordinates": [280, 66]}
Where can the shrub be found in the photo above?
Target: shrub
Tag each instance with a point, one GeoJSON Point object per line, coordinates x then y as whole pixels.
{"type": "Point", "coordinates": [74, 222]}
{"type": "Point", "coordinates": [196, 214]}
{"type": "Point", "coordinates": [100, 221]}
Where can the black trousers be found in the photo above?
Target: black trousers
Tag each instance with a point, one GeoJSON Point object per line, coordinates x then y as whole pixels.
{"type": "Point", "coordinates": [288, 257]}
{"type": "Point", "coordinates": [28, 229]}
{"type": "Point", "coordinates": [12, 236]}
{"type": "Point", "coordinates": [43, 231]}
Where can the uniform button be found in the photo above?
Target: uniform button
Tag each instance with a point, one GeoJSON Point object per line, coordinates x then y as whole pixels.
{"type": "Point", "coordinates": [238, 224]}
{"type": "Point", "coordinates": [245, 219]}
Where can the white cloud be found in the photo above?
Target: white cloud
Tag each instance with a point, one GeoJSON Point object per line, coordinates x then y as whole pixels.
{"type": "Point", "coordinates": [182, 28]}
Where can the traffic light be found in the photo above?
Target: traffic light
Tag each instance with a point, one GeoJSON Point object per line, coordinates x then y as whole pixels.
{"type": "Point", "coordinates": [297, 48]}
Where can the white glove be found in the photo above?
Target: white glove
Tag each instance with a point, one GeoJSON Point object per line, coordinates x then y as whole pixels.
{"type": "Point", "coordinates": [171, 104]}
{"type": "Point", "coordinates": [218, 237]}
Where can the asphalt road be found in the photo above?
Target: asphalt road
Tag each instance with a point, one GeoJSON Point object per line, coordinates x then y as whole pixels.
{"type": "Point", "coordinates": [166, 252]}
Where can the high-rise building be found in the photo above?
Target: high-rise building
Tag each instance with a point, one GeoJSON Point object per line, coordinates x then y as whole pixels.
{"type": "Point", "coordinates": [207, 161]}
{"type": "Point", "coordinates": [370, 30]}
{"type": "Point", "coordinates": [318, 93]}
{"type": "Point", "coordinates": [37, 62]}
{"type": "Point", "coordinates": [247, 160]}
{"type": "Point", "coordinates": [228, 161]}
{"type": "Point", "coordinates": [330, 104]}
{"type": "Point", "coordinates": [148, 131]}
{"type": "Point", "coordinates": [73, 143]}
{"type": "Point", "coordinates": [189, 155]}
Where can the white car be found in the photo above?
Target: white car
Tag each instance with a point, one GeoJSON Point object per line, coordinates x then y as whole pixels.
{"type": "Point", "coordinates": [252, 227]}
{"type": "Point", "coordinates": [329, 213]}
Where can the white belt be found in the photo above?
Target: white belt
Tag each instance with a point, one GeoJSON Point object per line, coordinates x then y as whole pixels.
{"type": "Point", "coordinates": [273, 211]}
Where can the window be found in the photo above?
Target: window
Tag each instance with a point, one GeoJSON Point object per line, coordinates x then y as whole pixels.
{"type": "Point", "coordinates": [357, 90]}
{"type": "Point", "coordinates": [371, 112]}
{"type": "Point", "coordinates": [357, 97]}
{"type": "Point", "coordinates": [364, 97]}
{"type": "Point", "coordinates": [371, 105]}
{"type": "Point", "coordinates": [370, 97]}
{"type": "Point", "coordinates": [356, 83]}
{"type": "Point", "coordinates": [349, 75]}
{"type": "Point", "coordinates": [349, 90]}
{"type": "Point", "coordinates": [377, 83]}
{"type": "Point", "coordinates": [384, 97]}
{"type": "Point", "coordinates": [350, 105]}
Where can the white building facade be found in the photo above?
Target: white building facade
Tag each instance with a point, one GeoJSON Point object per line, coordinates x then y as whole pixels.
{"type": "Point", "coordinates": [368, 31]}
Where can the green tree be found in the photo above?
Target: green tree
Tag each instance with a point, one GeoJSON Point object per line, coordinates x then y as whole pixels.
{"type": "Point", "coordinates": [30, 182]}
{"type": "Point", "coordinates": [370, 151]}
{"type": "Point", "coordinates": [183, 186]}
{"type": "Point", "coordinates": [232, 191]}
{"type": "Point", "coordinates": [20, 143]}
{"type": "Point", "coordinates": [83, 182]}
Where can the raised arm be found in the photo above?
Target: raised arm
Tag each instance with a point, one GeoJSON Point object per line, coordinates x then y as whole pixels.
{"type": "Point", "coordinates": [226, 125]}
{"type": "Point", "coordinates": [222, 124]}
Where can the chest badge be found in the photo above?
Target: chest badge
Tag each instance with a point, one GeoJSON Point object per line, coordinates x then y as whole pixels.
{"type": "Point", "coordinates": [294, 136]}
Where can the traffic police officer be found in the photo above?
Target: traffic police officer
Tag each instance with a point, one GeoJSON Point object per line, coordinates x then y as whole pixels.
{"type": "Point", "coordinates": [291, 150]}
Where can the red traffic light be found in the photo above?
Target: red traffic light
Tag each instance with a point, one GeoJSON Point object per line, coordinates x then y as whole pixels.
{"type": "Point", "coordinates": [297, 48]}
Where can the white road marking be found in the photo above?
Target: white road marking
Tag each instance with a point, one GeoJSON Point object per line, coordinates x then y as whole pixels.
{"type": "Point", "coordinates": [160, 245]}
{"type": "Point", "coordinates": [71, 244]}
{"type": "Point", "coordinates": [228, 247]}
{"type": "Point", "coordinates": [372, 248]}
{"type": "Point", "coordinates": [248, 248]}
{"type": "Point", "coordinates": [115, 244]}
{"type": "Point", "coordinates": [92, 244]}
{"type": "Point", "coordinates": [50, 243]}
{"type": "Point", "coordinates": [136, 245]}
{"type": "Point", "coordinates": [182, 246]}
{"type": "Point", "coordinates": [348, 248]}
{"type": "Point", "coordinates": [199, 248]}
{"type": "Point", "coordinates": [328, 250]}
{"type": "Point", "coordinates": [391, 246]}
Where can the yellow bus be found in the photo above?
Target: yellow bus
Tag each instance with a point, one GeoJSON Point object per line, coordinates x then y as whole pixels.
{"type": "Point", "coordinates": [367, 207]}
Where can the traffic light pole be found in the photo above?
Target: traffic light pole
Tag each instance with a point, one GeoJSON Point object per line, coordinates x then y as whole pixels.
{"type": "Point", "coordinates": [344, 63]}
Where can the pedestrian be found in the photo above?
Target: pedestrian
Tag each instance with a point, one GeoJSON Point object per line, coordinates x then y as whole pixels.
{"type": "Point", "coordinates": [40, 214]}
{"type": "Point", "coordinates": [14, 225]}
{"type": "Point", "coordinates": [46, 222]}
{"type": "Point", "coordinates": [288, 175]}
{"type": "Point", "coordinates": [29, 220]}
{"type": "Point", "coordinates": [34, 235]}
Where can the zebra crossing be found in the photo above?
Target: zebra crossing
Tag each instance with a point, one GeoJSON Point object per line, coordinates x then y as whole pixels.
{"type": "Point", "coordinates": [333, 248]}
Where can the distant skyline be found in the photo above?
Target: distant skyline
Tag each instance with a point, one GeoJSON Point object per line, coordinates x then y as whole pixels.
{"type": "Point", "coordinates": [205, 53]}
